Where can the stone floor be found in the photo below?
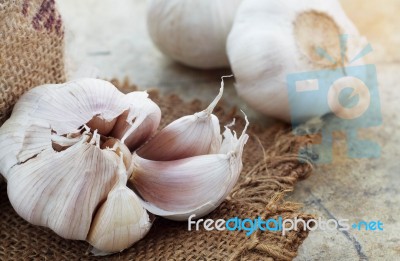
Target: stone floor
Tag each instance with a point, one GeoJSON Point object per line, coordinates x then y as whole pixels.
{"type": "Point", "coordinates": [109, 39]}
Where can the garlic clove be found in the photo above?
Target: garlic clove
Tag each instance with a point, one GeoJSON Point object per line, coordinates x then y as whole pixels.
{"type": "Point", "coordinates": [197, 185]}
{"type": "Point", "coordinates": [189, 136]}
{"type": "Point", "coordinates": [121, 220]}
{"type": "Point", "coordinates": [119, 148]}
{"type": "Point", "coordinates": [135, 126]}
{"type": "Point", "coordinates": [103, 126]}
{"type": "Point", "coordinates": [61, 190]}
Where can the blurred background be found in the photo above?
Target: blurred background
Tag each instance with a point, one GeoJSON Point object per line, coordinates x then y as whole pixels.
{"type": "Point", "coordinates": [379, 22]}
{"type": "Point", "coordinates": [109, 39]}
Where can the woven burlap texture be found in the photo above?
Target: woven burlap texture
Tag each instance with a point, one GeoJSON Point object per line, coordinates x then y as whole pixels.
{"type": "Point", "coordinates": [271, 168]}
{"type": "Point", "coordinates": [31, 49]}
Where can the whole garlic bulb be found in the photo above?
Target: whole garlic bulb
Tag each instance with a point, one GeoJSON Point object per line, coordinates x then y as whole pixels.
{"type": "Point", "coordinates": [192, 32]}
{"type": "Point", "coordinates": [272, 39]}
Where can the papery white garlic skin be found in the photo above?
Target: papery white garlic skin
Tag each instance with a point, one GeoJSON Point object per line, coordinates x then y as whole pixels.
{"type": "Point", "coordinates": [192, 32]}
{"type": "Point", "coordinates": [263, 50]}
{"type": "Point", "coordinates": [61, 190]}
{"type": "Point", "coordinates": [64, 108]}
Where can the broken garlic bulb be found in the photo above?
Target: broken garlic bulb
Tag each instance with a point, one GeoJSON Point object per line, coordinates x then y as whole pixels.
{"type": "Point", "coordinates": [270, 40]}
{"type": "Point", "coordinates": [192, 32]}
{"type": "Point", "coordinates": [61, 166]}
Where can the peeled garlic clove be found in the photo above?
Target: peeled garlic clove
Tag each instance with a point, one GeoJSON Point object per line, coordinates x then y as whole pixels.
{"type": "Point", "coordinates": [192, 32]}
{"type": "Point", "coordinates": [120, 222]}
{"type": "Point", "coordinates": [270, 40]}
{"type": "Point", "coordinates": [189, 136]}
{"type": "Point", "coordinates": [197, 185]}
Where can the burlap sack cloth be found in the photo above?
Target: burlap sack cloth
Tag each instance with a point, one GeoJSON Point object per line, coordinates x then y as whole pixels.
{"type": "Point", "coordinates": [31, 49]}
{"type": "Point", "coordinates": [32, 53]}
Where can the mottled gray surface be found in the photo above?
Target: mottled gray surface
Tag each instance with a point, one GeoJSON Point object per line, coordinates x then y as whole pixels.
{"type": "Point", "coordinates": [364, 189]}
{"type": "Point", "coordinates": [109, 39]}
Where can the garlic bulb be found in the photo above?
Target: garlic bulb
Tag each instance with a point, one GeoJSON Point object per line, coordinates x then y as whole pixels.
{"type": "Point", "coordinates": [59, 170]}
{"type": "Point", "coordinates": [272, 39]}
{"type": "Point", "coordinates": [213, 165]}
{"type": "Point", "coordinates": [192, 32]}
{"type": "Point", "coordinates": [66, 155]}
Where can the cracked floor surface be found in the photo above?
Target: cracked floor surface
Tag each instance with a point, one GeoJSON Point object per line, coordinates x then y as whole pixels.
{"type": "Point", "coordinates": [109, 39]}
